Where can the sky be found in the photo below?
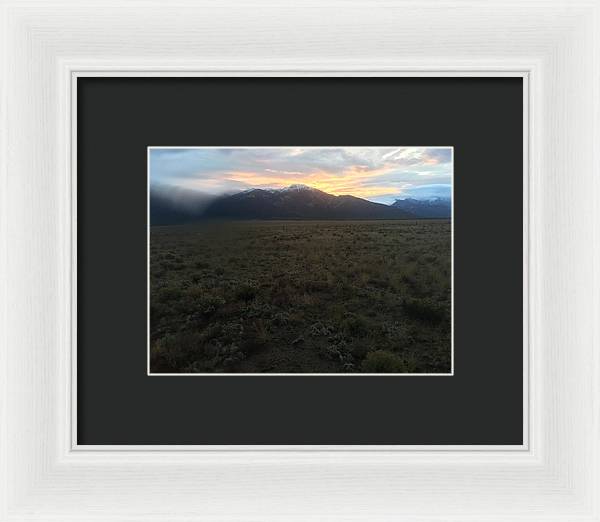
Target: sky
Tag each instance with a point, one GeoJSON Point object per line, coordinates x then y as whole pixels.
{"type": "Point", "coordinates": [380, 174]}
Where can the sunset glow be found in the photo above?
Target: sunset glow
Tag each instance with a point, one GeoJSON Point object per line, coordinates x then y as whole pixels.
{"type": "Point", "coordinates": [379, 174]}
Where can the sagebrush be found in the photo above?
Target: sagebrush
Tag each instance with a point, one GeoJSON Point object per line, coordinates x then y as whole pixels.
{"type": "Point", "coordinates": [301, 297]}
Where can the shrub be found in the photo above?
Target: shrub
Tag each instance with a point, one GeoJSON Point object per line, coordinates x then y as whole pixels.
{"type": "Point", "coordinates": [177, 350]}
{"type": "Point", "coordinates": [355, 325]}
{"type": "Point", "coordinates": [337, 352]}
{"type": "Point", "coordinates": [319, 329]}
{"type": "Point", "coordinates": [256, 309]}
{"type": "Point", "coordinates": [227, 356]}
{"type": "Point", "coordinates": [259, 333]}
{"type": "Point", "coordinates": [382, 361]}
{"type": "Point", "coordinates": [393, 331]}
{"type": "Point", "coordinates": [280, 319]}
{"type": "Point", "coordinates": [424, 309]}
{"type": "Point", "coordinates": [206, 304]}
{"type": "Point", "coordinates": [218, 358]}
{"type": "Point", "coordinates": [251, 289]}
{"type": "Point", "coordinates": [232, 331]}
{"type": "Point", "coordinates": [246, 291]}
{"type": "Point", "coordinates": [168, 293]}
{"type": "Point", "coordinates": [378, 282]}
{"type": "Point", "coordinates": [359, 349]}
{"type": "Point", "coordinates": [281, 294]}
{"type": "Point", "coordinates": [313, 286]}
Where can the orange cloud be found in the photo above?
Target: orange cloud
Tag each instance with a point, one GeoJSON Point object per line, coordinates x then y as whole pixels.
{"type": "Point", "coordinates": [349, 181]}
{"type": "Point", "coordinates": [368, 172]}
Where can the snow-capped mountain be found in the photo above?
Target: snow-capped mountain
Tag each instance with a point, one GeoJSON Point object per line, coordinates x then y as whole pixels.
{"type": "Point", "coordinates": [435, 207]}
{"type": "Point", "coordinates": [299, 202]}
{"type": "Point", "coordinates": [293, 202]}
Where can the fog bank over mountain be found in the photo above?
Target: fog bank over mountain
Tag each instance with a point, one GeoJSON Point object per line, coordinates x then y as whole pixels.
{"type": "Point", "coordinates": [174, 205]}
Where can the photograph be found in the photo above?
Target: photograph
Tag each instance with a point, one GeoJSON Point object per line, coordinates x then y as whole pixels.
{"type": "Point", "coordinates": [300, 260]}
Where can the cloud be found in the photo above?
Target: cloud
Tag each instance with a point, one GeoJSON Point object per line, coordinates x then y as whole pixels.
{"type": "Point", "coordinates": [376, 173]}
{"type": "Point", "coordinates": [427, 191]}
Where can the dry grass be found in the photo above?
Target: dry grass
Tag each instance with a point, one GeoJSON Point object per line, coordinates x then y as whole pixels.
{"type": "Point", "coordinates": [301, 296]}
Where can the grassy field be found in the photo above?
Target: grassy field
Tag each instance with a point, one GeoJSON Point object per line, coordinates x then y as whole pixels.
{"type": "Point", "coordinates": [301, 296]}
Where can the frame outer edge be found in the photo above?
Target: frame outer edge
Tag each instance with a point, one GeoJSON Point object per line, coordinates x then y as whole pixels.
{"type": "Point", "coordinates": [44, 506]}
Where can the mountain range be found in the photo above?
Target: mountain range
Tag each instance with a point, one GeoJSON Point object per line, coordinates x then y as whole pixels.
{"type": "Point", "coordinates": [169, 205]}
{"type": "Point", "coordinates": [426, 208]}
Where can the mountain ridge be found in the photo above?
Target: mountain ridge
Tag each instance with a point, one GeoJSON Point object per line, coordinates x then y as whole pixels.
{"type": "Point", "coordinates": [436, 207]}
{"type": "Point", "coordinates": [299, 202]}
{"type": "Point", "coordinates": [293, 202]}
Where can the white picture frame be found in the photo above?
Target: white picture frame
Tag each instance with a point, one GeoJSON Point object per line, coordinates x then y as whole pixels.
{"type": "Point", "coordinates": [554, 45]}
